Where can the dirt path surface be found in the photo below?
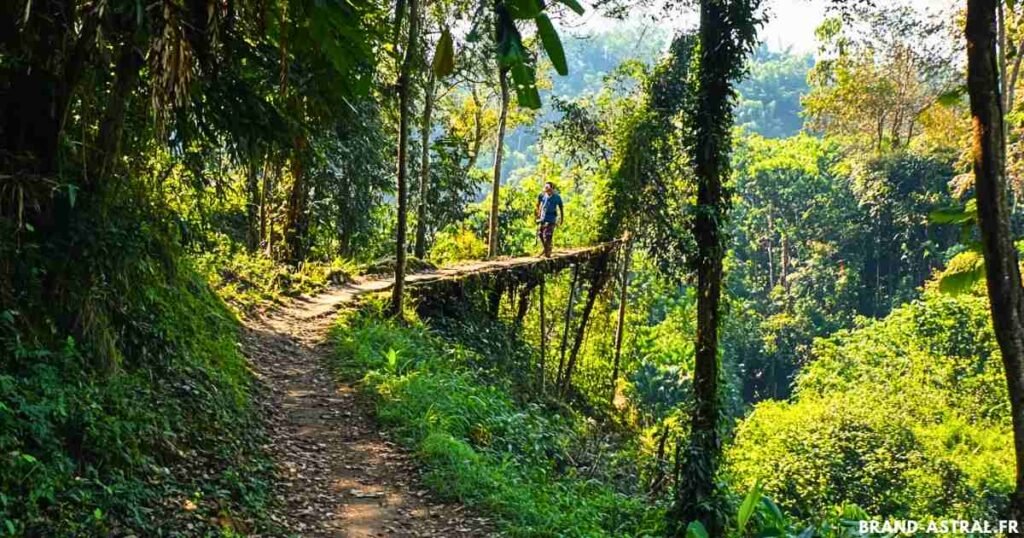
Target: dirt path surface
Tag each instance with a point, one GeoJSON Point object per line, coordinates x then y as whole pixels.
{"type": "Point", "coordinates": [342, 477]}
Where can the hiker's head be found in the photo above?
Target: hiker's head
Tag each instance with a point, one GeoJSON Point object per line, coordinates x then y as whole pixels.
{"type": "Point", "coordinates": [549, 187]}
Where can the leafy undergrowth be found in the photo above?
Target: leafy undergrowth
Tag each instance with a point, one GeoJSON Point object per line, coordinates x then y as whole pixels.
{"type": "Point", "coordinates": [247, 281]}
{"type": "Point", "coordinates": [386, 266]}
{"type": "Point", "coordinates": [516, 462]}
{"type": "Point", "coordinates": [125, 404]}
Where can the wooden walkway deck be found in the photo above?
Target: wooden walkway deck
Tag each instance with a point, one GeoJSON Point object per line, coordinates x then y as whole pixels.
{"type": "Point", "coordinates": [520, 269]}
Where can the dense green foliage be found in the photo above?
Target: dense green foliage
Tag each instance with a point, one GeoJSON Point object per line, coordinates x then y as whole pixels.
{"type": "Point", "coordinates": [820, 240]}
{"type": "Point", "coordinates": [528, 465]}
{"type": "Point", "coordinates": [130, 138]}
{"type": "Point", "coordinates": [143, 411]}
{"type": "Point", "coordinates": [905, 416]}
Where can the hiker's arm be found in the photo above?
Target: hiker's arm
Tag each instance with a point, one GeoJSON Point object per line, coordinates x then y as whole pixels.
{"type": "Point", "coordinates": [536, 210]}
{"type": "Point", "coordinates": [561, 213]}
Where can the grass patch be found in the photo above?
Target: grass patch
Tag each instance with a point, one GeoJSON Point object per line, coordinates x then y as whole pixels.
{"type": "Point", "coordinates": [512, 460]}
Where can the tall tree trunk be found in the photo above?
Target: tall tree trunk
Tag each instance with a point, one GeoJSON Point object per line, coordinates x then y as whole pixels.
{"type": "Point", "coordinates": [880, 134]}
{"type": "Point", "coordinates": [36, 102]}
{"type": "Point", "coordinates": [343, 221]}
{"type": "Point", "coordinates": [1001, 264]}
{"type": "Point", "coordinates": [270, 238]}
{"type": "Point", "coordinates": [620, 325]}
{"type": "Point", "coordinates": [696, 490]}
{"type": "Point", "coordinates": [404, 87]}
{"type": "Point", "coordinates": [771, 253]}
{"type": "Point", "coordinates": [269, 185]}
{"type": "Point", "coordinates": [658, 476]}
{"type": "Point", "coordinates": [1001, 49]}
{"type": "Point", "coordinates": [878, 276]}
{"type": "Point", "coordinates": [784, 262]}
{"type": "Point", "coordinates": [420, 249]}
{"type": "Point", "coordinates": [297, 217]}
{"type": "Point", "coordinates": [108, 142]}
{"type": "Point", "coordinates": [478, 127]}
{"type": "Point", "coordinates": [265, 200]}
{"type": "Point", "coordinates": [499, 152]}
{"type": "Point", "coordinates": [1011, 85]}
{"type": "Point", "coordinates": [252, 206]}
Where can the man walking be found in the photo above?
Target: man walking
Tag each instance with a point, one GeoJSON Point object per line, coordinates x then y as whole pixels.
{"type": "Point", "coordinates": [549, 213]}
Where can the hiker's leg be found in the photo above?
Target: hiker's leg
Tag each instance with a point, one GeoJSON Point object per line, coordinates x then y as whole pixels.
{"type": "Point", "coordinates": [549, 231]}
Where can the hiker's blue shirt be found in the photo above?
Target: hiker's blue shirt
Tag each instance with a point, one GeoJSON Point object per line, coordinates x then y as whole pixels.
{"type": "Point", "coordinates": [549, 206]}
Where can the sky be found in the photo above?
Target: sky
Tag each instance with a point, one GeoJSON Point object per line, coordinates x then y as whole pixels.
{"type": "Point", "coordinates": [791, 23]}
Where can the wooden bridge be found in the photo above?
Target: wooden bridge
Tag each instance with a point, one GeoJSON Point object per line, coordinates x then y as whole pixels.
{"type": "Point", "coordinates": [462, 286]}
{"type": "Point", "coordinates": [511, 272]}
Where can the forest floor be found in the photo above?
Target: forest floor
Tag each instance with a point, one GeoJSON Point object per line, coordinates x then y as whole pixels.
{"type": "Point", "coordinates": [341, 476]}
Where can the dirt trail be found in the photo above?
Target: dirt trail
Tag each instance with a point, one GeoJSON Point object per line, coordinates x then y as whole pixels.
{"type": "Point", "coordinates": [342, 476]}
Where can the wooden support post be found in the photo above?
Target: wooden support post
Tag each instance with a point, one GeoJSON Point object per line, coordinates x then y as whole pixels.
{"type": "Point", "coordinates": [581, 330]}
{"type": "Point", "coordinates": [543, 335]}
{"type": "Point", "coordinates": [494, 298]}
{"type": "Point", "coordinates": [523, 305]}
{"type": "Point", "coordinates": [620, 326]}
{"type": "Point", "coordinates": [568, 319]}
{"type": "Point", "coordinates": [598, 278]}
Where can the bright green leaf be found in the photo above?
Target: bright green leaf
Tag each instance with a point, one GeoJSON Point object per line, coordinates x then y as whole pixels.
{"type": "Point", "coordinates": [552, 44]}
{"type": "Point", "coordinates": [747, 508]}
{"type": "Point", "coordinates": [444, 55]}
{"type": "Point", "coordinates": [510, 48]}
{"type": "Point", "coordinates": [962, 273]}
{"type": "Point", "coordinates": [955, 215]}
{"type": "Point", "coordinates": [696, 530]}
{"type": "Point", "coordinates": [524, 83]}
